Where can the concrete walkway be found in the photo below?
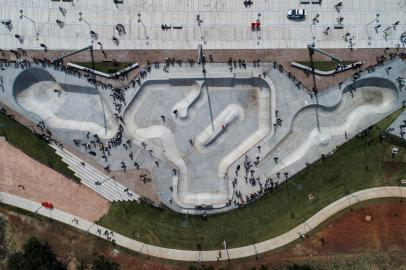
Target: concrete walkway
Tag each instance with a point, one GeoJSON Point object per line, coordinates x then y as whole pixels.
{"type": "Point", "coordinates": [216, 24]}
{"type": "Point", "coordinates": [212, 255]}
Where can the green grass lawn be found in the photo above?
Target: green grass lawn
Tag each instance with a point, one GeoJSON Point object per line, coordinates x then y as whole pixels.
{"type": "Point", "coordinates": [34, 146]}
{"type": "Point", "coordinates": [274, 213]}
{"type": "Point", "coordinates": [324, 65]}
{"type": "Point", "coordinates": [106, 67]}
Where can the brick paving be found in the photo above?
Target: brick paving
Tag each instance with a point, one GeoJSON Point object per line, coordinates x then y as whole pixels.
{"type": "Point", "coordinates": [282, 56]}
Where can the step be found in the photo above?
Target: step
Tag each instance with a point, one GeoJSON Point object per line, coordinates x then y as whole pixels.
{"type": "Point", "coordinates": [90, 178]}
{"type": "Point", "coordinates": [90, 174]}
{"type": "Point", "coordinates": [100, 193]}
{"type": "Point", "coordinates": [111, 191]}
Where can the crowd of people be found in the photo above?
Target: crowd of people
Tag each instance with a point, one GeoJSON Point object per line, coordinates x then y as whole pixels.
{"type": "Point", "coordinates": [93, 144]}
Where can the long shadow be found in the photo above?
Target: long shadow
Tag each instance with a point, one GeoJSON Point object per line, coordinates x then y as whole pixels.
{"type": "Point", "coordinates": [317, 111]}
{"type": "Point", "coordinates": [208, 98]}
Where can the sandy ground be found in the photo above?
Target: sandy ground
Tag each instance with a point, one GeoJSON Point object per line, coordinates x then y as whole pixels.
{"type": "Point", "coordinates": [40, 183]}
{"type": "Point", "coordinates": [350, 242]}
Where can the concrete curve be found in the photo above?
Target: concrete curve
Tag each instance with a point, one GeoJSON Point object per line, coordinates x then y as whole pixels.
{"type": "Point", "coordinates": [232, 113]}
{"type": "Point", "coordinates": [182, 107]}
{"type": "Point", "coordinates": [202, 143]}
{"type": "Point", "coordinates": [37, 92]}
{"type": "Point", "coordinates": [369, 99]}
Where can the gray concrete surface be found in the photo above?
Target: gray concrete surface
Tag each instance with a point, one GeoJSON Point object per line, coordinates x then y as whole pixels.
{"type": "Point", "coordinates": [245, 105]}
{"type": "Point", "coordinates": [224, 24]}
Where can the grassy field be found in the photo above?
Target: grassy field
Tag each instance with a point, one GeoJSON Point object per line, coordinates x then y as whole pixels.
{"type": "Point", "coordinates": [34, 146]}
{"type": "Point", "coordinates": [106, 67]}
{"type": "Point", "coordinates": [324, 65]}
{"type": "Point", "coordinates": [357, 165]}
{"type": "Point", "coordinates": [20, 225]}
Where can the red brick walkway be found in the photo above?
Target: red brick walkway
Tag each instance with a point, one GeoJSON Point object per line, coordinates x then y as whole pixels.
{"type": "Point", "coordinates": [282, 56]}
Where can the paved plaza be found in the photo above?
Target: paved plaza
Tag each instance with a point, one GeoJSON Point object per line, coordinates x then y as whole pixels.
{"type": "Point", "coordinates": [218, 24]}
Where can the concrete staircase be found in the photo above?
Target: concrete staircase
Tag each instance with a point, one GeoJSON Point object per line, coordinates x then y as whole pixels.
{"type": "Point", "coordinates": [94, 179]}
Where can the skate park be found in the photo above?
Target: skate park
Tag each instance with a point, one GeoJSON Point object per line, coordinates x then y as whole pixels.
{"type": "Point", "coordinates": [202, 148]}
{"type": "Point", "coordinates": [212, 141]}
{"type": "Point", "coordinates": [37, 92]}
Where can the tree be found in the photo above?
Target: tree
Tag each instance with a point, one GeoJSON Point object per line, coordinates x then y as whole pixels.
{"type": "Point", "coordinates": [100, 263]}
{"type": "Point", "coordinates": [300, 267]}
{"type": "Point", "coordinates": [34, 256]}
{"type": "Point", "coordinates": [3, 241]}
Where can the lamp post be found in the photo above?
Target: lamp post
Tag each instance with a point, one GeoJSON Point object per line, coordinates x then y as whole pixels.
{"type": "Point", "coordinates": [199, 24]}
{"type": "Point", "coordinates": [93, 34]}
{"type": "Point", "coordinates": [313, 24]}
{"type": "Point", "coordinates": [226, 250]}
{"type": "Point", "coordinates": [368, 24]}
{"type": "Point", "coordinates": [31, 20]}
{"type": "Point", "coordinates": [143, 25]}
{"type": "Point", "coordinates": [82, 19]}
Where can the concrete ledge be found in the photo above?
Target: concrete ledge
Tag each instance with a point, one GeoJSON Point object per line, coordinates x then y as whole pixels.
{"type": "Point", "coordinates": [326, 73]}
{"type": "Point", "coordinates": [102, 74]}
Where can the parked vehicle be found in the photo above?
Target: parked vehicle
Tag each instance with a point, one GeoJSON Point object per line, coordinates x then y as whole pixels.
{"type": "Point", "coordinates": [297, 14]}
{"type": "Point", "coordinates": [47, 205]}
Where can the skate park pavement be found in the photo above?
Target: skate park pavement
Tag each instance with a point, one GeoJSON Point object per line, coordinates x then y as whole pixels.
{"type": "Point", "coordinates": [213, 140]}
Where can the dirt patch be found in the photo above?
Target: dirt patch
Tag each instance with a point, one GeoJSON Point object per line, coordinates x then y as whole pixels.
{"type": "Point", "coordinates": [350, 242]}
{"type": "Point", "coordinates": [371, 229]}
{"type": "Point", "coordinates": [73, 247]}
{"type": "Point", "coordinates": [132, 180]}
{"type": "Point", "coordinates": [348, 238]}
{"type": "Point", "coordinates": [27, 178]}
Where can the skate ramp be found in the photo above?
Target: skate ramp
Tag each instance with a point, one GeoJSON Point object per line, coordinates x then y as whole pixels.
{"type": "Point", "coordinates": [361, 103]}
{"type": "Point", "coordinates": [241, 110]}
{"type": "Point", "coordinates": [62, 106]}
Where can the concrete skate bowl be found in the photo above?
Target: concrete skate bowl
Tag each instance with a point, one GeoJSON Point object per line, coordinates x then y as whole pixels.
{"type": "Point", "coordinates": [362, 104]}
{"type": "Point", "coordinates": [64, 106]}
{"type": "Point", "coordinates": [241, 118]}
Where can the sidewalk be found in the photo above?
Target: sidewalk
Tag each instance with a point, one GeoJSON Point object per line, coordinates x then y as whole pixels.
{"type": "Point", "coordinates": [23, 176]}
{"type": "Point", "coordinates": [188, 255]}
